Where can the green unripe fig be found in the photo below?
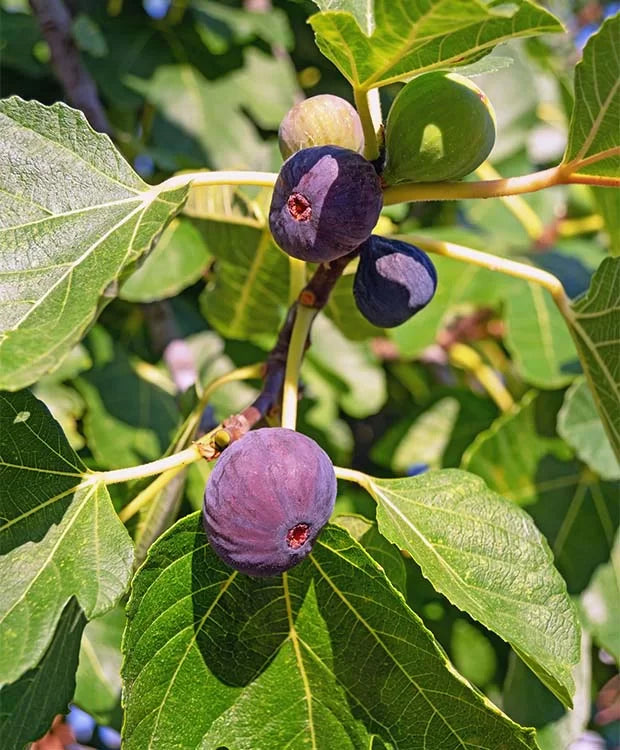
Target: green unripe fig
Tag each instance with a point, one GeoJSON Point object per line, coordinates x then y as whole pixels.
{"type": "Point", "coordinates": [322, 120]}
{"type": "Point", "coordinates": [441, 126]}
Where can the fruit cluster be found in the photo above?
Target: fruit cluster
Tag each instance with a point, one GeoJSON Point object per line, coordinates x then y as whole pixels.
{"type": "Point", "coordinates": [273, 490]}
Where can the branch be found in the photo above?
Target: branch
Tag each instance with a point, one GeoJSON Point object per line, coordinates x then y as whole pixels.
{"type": "Point", "coordinates": [55, 22]}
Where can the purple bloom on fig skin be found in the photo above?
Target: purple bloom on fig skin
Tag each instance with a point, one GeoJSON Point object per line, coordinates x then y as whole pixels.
{"type": "Point", "coordinates": [325, 203]}
{"type": "Point", "coordinates": [393, 281]}
{"type": "Point", "coordinates": [267, 499]}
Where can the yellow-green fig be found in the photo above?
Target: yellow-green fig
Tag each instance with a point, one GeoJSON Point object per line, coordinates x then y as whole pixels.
{"type": "Point", "coordinates": [322, 120]}
{"type": "Point", "coordinates": [441, 126]}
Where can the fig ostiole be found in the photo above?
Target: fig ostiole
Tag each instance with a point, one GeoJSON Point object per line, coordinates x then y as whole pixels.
{"type": "Point", "coordinates": [322, 120]}
{"type": "Point", "coordinates": [266, 501]}
{"type": "Point", "coordinates": [325, 203]}
{"type": "Point", "coordinates": [441, 126]}
{"type": "Point", "coordinates": [393, 281]}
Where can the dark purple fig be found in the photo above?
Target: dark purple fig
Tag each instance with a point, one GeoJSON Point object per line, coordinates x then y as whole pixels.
{"type": "Point", "coordinates": [321, 120]}
{"type": "Point", "coordinates": [393, 281]}
{"type": "Point", "coordinates": [325, 203]}
{"type": "Point", "coordinates": [267, 499]}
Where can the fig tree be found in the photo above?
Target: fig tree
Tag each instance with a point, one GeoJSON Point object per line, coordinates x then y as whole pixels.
{"type": "Point", "coordinates": [393, 281]}
{"type": "Point", "coordinates": [267, 499]}
{"type": "Point", "coordinates": [441, 126]}
{"type": "Point", "coordinates": [325, 203]}
{"type": "Point", "coordinates": [321, 120]}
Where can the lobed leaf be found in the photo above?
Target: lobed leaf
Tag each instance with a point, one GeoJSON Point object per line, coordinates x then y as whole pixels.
{"type": "Point", "coordinates": [73, 218]}
{"type": "Point", "coordinates": [377, 43]}
{"type": "Point", "coordinates": [488, 558]}
{"type": "Point", "coordinates": [59, 536]}
{"type": "Point", "coordinates": [327, 655]}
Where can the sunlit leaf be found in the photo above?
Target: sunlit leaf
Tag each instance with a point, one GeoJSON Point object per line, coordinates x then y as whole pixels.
{"type": "Point", "coordinates": [327, 655]}
{"type": "Point", "coordinates": [73, 218]}
{"type": "Point", "coordinates": [593, 147]}
{"type": "Point", "coordinates": [59, 538]}
{"type": "Point", "coordinates": [487, 557]}
{"type": "Point", "coordinates": [376, 43]}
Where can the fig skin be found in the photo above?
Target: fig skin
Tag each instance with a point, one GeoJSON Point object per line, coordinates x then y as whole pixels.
{"type": "Point", "coordinates": [441, 126]}
{"type": "Point", "coordinates": [321, 120]}
{"type": "Point", "coordinates": [326, 202]}
{"type": "Point", "coordinates": [267, 499]}
{"type": "Point", "coordinates": [394, 280]}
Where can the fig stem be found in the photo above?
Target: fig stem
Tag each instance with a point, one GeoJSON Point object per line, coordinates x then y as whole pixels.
{"type": "Point", "coordinates": [148, 493]}
{"type": "Point", "coordinates": [521, 210]}
{"type": "Point", "coordinates": [297, 278]}
{"type": "Point", "coordinates": [301, 328]}
{"type": "Point", "coordinates": [468, 359]}
{"type": "Point", "coordinates": [362, 104]}
{"type": "Point", "coordinates": [206, 178]}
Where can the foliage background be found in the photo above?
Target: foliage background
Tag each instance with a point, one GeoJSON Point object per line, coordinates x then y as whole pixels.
{"type": "Point", "coordinates": [204, 84]}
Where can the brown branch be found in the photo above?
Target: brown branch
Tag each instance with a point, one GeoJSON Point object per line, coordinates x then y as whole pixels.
{"type": "Point", "coordinates": [315, 294]}
{"type": "Point", "coordinates": [55, 22]}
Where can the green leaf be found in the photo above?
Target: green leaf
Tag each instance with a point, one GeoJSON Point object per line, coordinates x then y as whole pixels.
{"type": "Point", "coordinates": [580, 425]}
{"type": "Point", "coordinates": [98, 678]}
{"type": "Point", "coordinates": [596, 327]}
{"type": "Point", "coordinates": [60, 537]}
{"type": "Point", "coordinates": [607, 202]}
{"type": "Point", "coordinates": [73, 218]}
{"type": "Point", "coordinates": [178, 260]}
{"type": "Point", "coordinates": [387, 555]}
{"type": "Point", "coordinates": [29, 705]}
{"type": "Point", "coordinates": [249, 293]}
{"type": "Point", "coordinates": [327, 655]}
{"type": "Point", "coordinates": [374, 44]}
{"type": "Point", "coordinates": [527, 701]}
{"type": "Point", "coordinates": [427, 438]}
{"type": "Point", "coordinates": [508, 454]}
{"type": "Point", "coordinates": [355, 371]}
{"type": "Point", "coordinates": [487, 557]}
{"type": "Point", "coordinates": [576, 512]}
{"type": "Point", "coordinates": [593, 146]}
{"type": "Point", "coordinates": [341, 308]}
{"type": "Point", "coordinates": [128, 420]}
{"type": "Point", "coordinates": [472, 652]}
{"type": "Point", "coordinates": [537, 336]}
{"type": "Point", "coordinates": [600, 604]}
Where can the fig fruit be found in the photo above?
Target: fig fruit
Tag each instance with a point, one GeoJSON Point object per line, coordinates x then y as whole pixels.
{"type": "Point", "coordinates": [325, 203]}
{"type": "Point", "coordinates": [267, 499]}
{"type": "Point", "coordinates": [393, 281]}
{"type": "Point", "coordinates": [320, 121]}
{"type": "Point", "coordinates": [441, 126]}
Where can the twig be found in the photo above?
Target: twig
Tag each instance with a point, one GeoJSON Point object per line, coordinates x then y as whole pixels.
{"type": "Point", "coordinates": [80, 89]}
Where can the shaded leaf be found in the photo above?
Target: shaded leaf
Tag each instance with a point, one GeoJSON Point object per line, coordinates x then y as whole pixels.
{"type": "Point", "coordinates": [580, 425]}
{"type": "Point", "coordinates": [326, 655]}
{"type": "Point", "coordinates": [393, 41]}
{"type": "Point", "coordinates": [593, 147]}
{"type": "Point", "coordinates": [341, 308]}
{"type": "Point", "coordinates": [178, 260]}
{"type": "Point", "coordinates": [98, 678]}
{"type": "Point", "coordinates": [73, 218]}
{"type": "Point", "coordinates": [600, 603]}
{"type": "Point", "coordinates": [355, 372]}
{"type": "Point", "coordinates": [596, 327]}
{"type": "Point", "coordinates": [249, 291]}
{"type": "Point", "coordinates": [538, 338]}
{"type": "Point", "coordinates": [487, 557]}
{"type": "Point", "coordinates": [577, 513]}
{"type": "Point", "coordinates": [60, 537]}
{"type": "Point", "coordinates": [29, 705]}
{"type": "Point", "coordinates": [472, 653]}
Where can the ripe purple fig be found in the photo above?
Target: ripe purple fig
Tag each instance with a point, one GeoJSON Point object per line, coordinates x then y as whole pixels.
{"type": "Point", "coordinates": [325, 203]}
{"type": "Point", "coordinates": [321, 120]}
{"type": "Point", "coordinates": [267, 499]}
{"type": "Point", "coordinates": [393, 281]}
